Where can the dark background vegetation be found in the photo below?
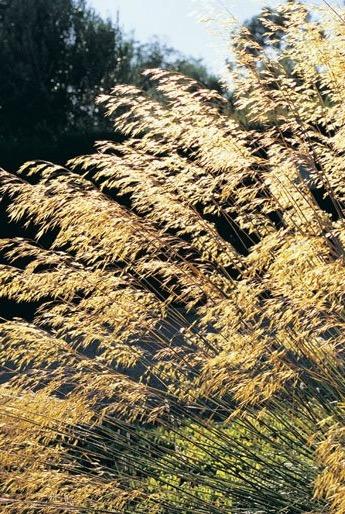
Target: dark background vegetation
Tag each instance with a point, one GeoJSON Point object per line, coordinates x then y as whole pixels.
{"type": "Point", "coordinates": [56, 56]}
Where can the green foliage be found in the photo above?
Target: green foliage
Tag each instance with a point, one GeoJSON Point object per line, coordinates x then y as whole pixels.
{"type": "Point", "coordinates": [217, 463]}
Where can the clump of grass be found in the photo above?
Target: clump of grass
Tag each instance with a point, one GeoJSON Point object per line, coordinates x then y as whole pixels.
{"type": "Point", "coordinates": [186, 352]}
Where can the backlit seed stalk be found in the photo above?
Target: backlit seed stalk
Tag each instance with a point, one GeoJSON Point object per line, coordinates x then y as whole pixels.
{"type": "Point", "coordinates": [185, 354]}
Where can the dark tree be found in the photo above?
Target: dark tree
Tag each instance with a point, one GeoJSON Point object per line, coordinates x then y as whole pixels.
{"type": "Point", "coordinates": [56, 56]}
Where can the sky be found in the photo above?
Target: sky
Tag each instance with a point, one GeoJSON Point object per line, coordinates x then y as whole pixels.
{"type": "Point", "coordinates": [177, 22]}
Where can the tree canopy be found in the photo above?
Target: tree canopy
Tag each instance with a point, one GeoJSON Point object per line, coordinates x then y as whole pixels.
{"type": "Point", "coordinates": [56, 56]}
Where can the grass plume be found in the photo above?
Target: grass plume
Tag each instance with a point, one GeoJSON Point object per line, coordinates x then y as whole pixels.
{"type": "Point", "coordinates": [186, 353]}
